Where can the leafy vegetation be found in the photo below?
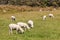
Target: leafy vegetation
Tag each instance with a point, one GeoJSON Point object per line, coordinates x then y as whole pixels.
{"type": "Point", "coordinates": [41, 3]}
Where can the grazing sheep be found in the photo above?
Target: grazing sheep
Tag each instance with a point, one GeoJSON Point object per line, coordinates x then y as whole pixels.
{"type": "Point", "coordinates": [4, 11]}
{"type": "Point", "coordinates": [44, 17]}
{"type": "Point", "coordinates": [13, 18]}
{"type": "Point", "coordinates": [23, 25]}
{"type": "Point", "coordinates": [54, 8]}
{"type": "Point", "coordinates": [15, 27]}
{"type": "Point", "coordinates": [30, 23]}
{"type": "Point", "coordinates": [51, 15]}
{"type": "Point", "coordinates": [40, 10]}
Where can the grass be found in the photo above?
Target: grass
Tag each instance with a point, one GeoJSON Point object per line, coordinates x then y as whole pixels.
{"type": "Point", "coordinates": [43, 30]}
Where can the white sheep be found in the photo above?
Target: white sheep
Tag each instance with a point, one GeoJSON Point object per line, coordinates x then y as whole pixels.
{"type": "Point", "coordinates": [15, 27]}
{"type": "Point", "coordinates": [44, 17]}
{"type": "Point", "coordinates": [30, 23]}
{"type": "Point", "coordinates": [51, 15]}
{"type": "Point", "coordinates": [13, 18]}
{"type": "Point", "coordinates": [4, 11]}
{"type": "Point", "coordinates": [54, 8]}
{"type": "Point", "coordinates": [40, 10]}
{"type": "Point", "coordinates": [23, 25]}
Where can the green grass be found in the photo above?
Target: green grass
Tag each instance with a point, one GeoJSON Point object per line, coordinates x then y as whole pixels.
{"type": "Point", "coordinates": [43, 30]}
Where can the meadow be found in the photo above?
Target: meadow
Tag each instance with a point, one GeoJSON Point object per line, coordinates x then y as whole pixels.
{"type": "Point", "coordinates": [43, 30]}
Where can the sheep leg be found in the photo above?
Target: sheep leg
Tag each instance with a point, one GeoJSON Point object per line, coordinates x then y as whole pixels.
{"type": "Point", "coordinates": [25, 28]}
{"type": "Point", "coordinates": [10, 31]}
{"type": "Point", "coordinates": [16, 30]}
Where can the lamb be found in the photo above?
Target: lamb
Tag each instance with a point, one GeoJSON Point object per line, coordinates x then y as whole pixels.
{"type": "Point", "coordinates": [30, 23]}
{"type": "Point", "coordinates": [23, 25]}
{"type": "Point", "coordinates": [15, 27]}
{"type": "Point", "coordinates": [51, 15]}
{"type": "Point", "coordinates": [44, 17]}
{"type": "Point", "coordinates": [13, 18]}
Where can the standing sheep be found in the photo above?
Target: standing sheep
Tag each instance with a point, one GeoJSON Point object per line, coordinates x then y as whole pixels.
{"type": "Point", "coordinates": [13, 18]}
{"type": "Point", "coordinates": [30, 23]}
{"type": "Point", "coordinates": [51, 15]}
{"type": "Point", "coordinates": [15, 27]}
{"type": "Point", "coordinates": [44, 17]}
{"type": "Point", "coordinates": [23, 25]}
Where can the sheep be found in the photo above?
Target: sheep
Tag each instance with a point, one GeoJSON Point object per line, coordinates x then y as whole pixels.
{"type": "Point", "coordinates": [23, 25]}
{"type": "Point", "coordinates": [13, 18]}
{"type": "Point", "coordinates": [51, 15]}
{"type": "Point", "coordinates": [15, 27]}
{"type": "Point", "coordinates": [30, 23]}
{"type": "Point", "coordinates": [4, 11]}
{"type": "Point", "coordinates": [40, 10]}
{"type": "Point", "coordinates": [44, 17]}
{"type": "Point", "coordinates": [54, 8]}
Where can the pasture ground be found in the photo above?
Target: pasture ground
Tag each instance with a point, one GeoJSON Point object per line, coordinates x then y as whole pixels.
{"type": "Point", "coordinates": [43, 30]}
